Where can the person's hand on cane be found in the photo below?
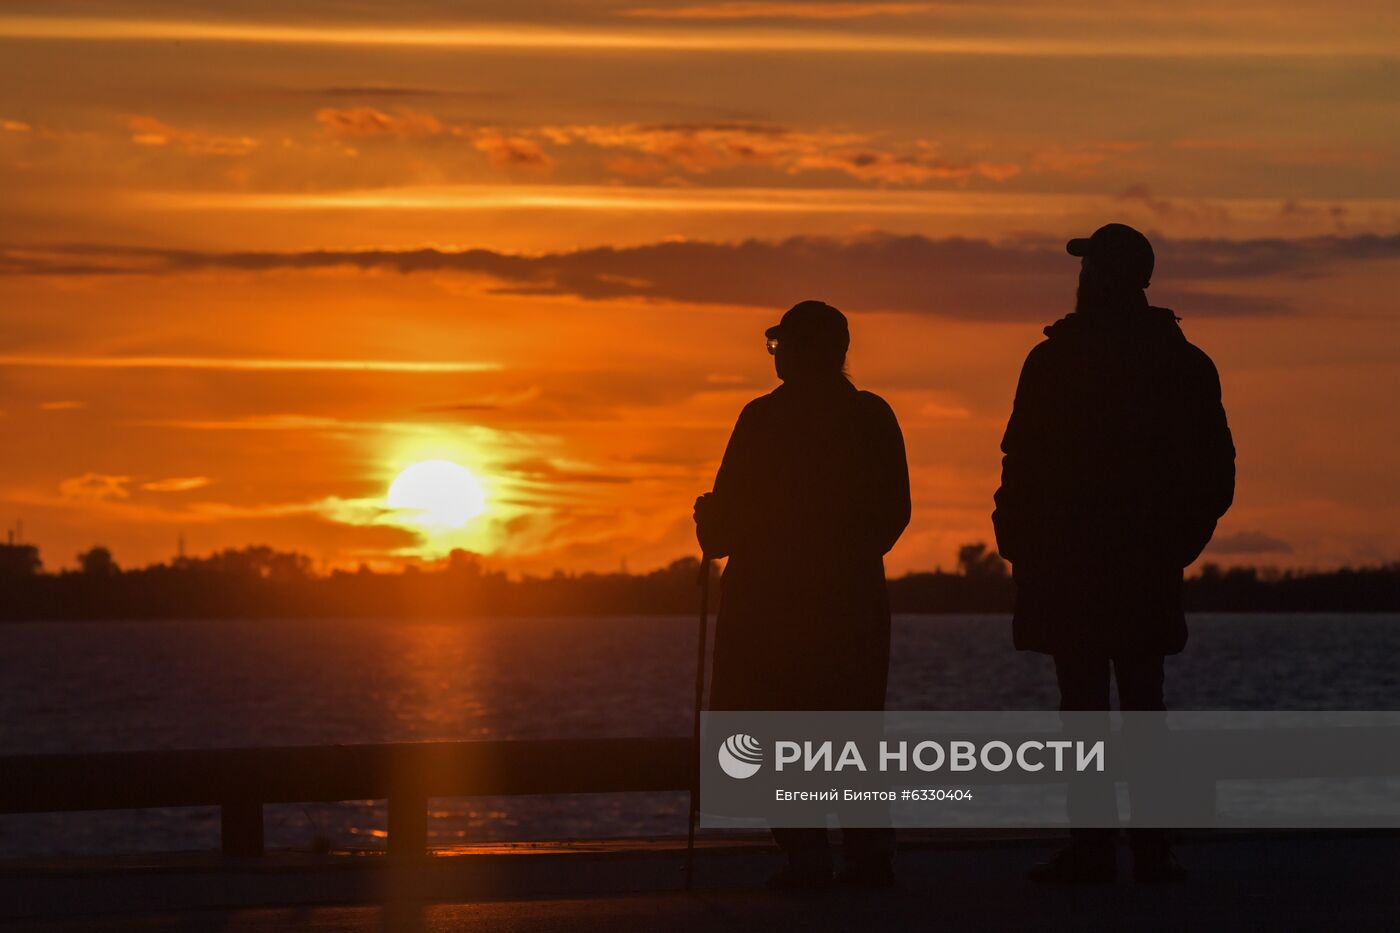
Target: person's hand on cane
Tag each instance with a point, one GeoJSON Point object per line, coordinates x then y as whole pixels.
{"type": "Point", "coordinates": [706, 516]}
{"type": "Point", "coordinates": [704, 508]}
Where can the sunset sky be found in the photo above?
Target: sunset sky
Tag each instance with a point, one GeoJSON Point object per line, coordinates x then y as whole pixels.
{"type": "Point", "coordinates": [257, 258]}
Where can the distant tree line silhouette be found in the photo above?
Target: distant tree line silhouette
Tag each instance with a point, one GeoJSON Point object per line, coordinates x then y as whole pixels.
{"type": "Point", "coordinates": [260, 582]}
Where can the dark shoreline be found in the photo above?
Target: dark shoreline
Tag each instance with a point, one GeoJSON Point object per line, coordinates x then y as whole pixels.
{"type": "Point", "coordinates": [260, 583]}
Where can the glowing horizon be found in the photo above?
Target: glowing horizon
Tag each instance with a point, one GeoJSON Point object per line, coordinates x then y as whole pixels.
{"type": "Point", "coordinates": [519, 36]}
{"type": "Point", "coordinates": [259, 260]}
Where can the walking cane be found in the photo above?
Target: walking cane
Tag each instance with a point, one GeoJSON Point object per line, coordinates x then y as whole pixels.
{"type": "Point", "coordinates": [695, 731]}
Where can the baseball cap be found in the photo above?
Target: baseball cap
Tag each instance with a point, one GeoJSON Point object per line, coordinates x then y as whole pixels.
{"type": "Point", "coordinates": [813, 323]}
{"type": "Point", "coordinates": [1121, 250]}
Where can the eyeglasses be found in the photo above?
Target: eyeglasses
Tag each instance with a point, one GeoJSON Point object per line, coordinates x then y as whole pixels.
{"type": "Point", "coordinates": [772, 344]}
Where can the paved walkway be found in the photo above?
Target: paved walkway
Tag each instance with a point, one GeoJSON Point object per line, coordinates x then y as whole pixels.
{"type": "Point", "coordinates": [1320, 882]}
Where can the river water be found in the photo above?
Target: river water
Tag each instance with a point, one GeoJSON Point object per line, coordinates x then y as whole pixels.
{"type": "Point", "coordinates": [106, 686]}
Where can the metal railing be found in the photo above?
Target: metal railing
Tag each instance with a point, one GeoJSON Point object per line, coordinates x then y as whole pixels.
{"type": "Point", "coordinates": [240, 781]}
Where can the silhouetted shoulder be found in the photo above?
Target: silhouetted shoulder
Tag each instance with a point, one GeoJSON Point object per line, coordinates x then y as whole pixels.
{"type": "Point", "coordinates": [1042, 359]}
{"type": "Point", "coordinates": [1200, 361]}
{"type": "Point", "coordinates": [1198, 373]}
{"type": "Point", "coordinates": [760, 410]}
{"type": "Point", "coordinates": [874, 406]}
{"type": "Point", "coordinates": [1041, 352]}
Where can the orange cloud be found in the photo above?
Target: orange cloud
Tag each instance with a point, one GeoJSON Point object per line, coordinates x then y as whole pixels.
{"type": "Point", "coordinates": [176, 484]}
{"type": "Point", "coordinates": [511, 151]}
{"type": "Point", "coordinates": [703, 148]}
{"type": "Point", "coordinates": [254, 364]}
{"type": "Point", "coordinates": [749, 10]}
{"type": "Point", "coordinates": [1083, 160]}
{"type": "Point", "coordinates": [94, 487]}
{"type": "Point", "coordinates": [369, 122]}
{"type": "Point", "coordinates": [503, 149]}
{"type": "Point", "coordinates": [149, 131]}
{"type": "Point", "coordinates": [923, 165]}
{"type": "Point", "coordinates": [698, 148]}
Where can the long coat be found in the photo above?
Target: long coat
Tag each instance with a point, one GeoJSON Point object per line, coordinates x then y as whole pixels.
{"type": "Point", "coordinates": [1118, 463]}
{"type": "Point", "coordinates": [812, 491]}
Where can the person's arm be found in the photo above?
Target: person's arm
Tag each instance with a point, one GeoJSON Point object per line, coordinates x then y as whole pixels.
{"type": "Point", "coordinates": [890, 509]}
{"type": "Point", "coordinates": [1018, 499]}
{"type": "Point", "coordinates": [1219, 445]}
{"type": "Point", "coordinates": [717, 513]}
{"type": "Point", "coordinates": [1210, 484]}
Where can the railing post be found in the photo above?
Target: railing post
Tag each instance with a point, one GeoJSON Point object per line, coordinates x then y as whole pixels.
{"type": "Point", "coordinates": [408, 824]}
{"type": "Point", "coordinates": [241, 829]}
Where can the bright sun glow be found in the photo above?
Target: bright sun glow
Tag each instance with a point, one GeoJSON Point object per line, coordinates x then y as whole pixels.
{"type": "Point", "coordinates": [440, 492]}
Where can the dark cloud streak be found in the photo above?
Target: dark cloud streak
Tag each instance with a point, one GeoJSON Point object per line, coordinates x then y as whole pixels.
{"type": "Point", "coordinates": [959, 278]}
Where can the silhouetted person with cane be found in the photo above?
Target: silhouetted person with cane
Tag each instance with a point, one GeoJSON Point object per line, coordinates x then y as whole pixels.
{"type": "Point", "coordinates": [812, 491]}
{"type": "Point", "coordinates": [1118, 463]}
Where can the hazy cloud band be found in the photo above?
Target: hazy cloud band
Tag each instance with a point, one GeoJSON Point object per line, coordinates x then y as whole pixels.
{"type": "Point", "coordinates": [961, 278]}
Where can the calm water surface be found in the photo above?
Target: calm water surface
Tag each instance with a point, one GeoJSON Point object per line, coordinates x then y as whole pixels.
{"type": "Point", "coordinates": [106, 686]}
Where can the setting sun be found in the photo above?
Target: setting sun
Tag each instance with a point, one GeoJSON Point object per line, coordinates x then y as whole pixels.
{"type": "Point", "coordinates": [554, 279]}
{"type": "Point", "coordinates": [440, 493]}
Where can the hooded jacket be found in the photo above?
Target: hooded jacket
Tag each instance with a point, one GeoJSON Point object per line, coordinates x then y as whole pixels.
{"type": "Point", "coordinates": [1118, 462]}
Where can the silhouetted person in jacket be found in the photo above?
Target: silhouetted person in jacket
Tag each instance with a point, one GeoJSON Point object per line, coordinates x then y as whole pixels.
{"type": "Point", "coordinates": [1118, 463]}
{"type": "Point", "coordinates": [812, 491]}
